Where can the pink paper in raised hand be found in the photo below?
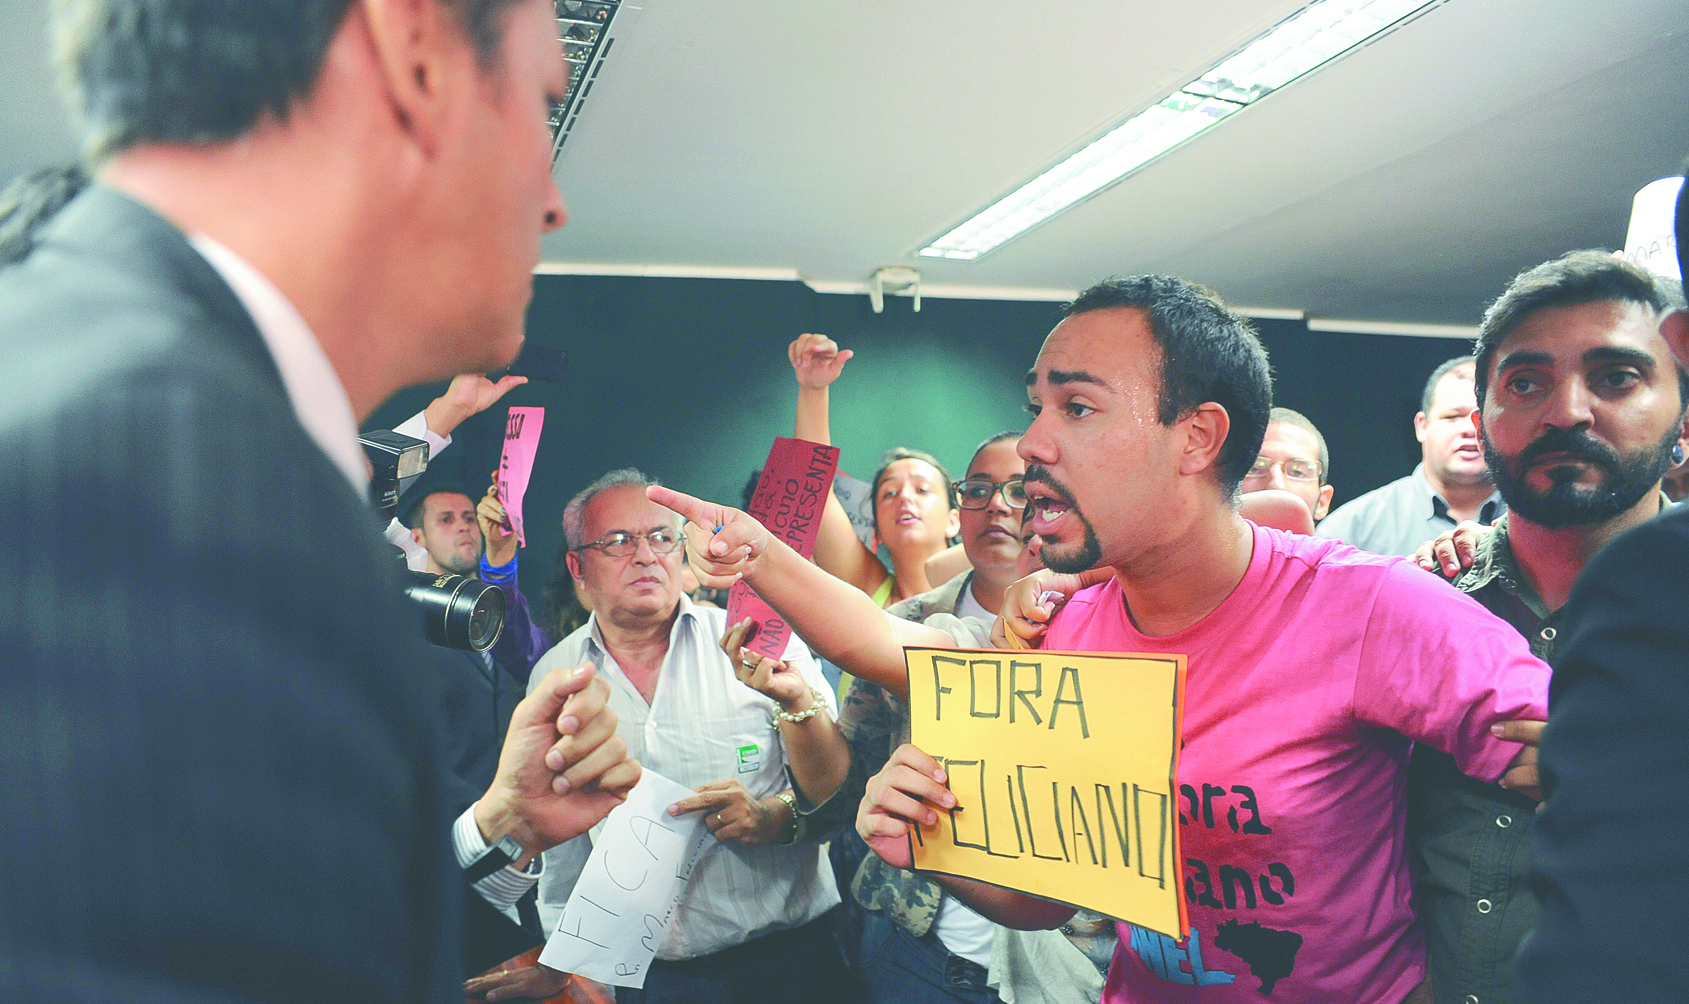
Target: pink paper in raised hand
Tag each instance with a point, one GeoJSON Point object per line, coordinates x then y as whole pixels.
{"type": "Point", "coordinates": [516, 463]}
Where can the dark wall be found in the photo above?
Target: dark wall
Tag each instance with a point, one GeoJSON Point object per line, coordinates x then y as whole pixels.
{"type": "Point", "coordinates": [688, 380]}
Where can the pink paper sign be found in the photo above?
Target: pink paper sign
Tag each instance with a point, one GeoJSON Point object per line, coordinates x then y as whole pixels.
{"type": "Point", "coordinates": [516, 464]}
{"type": "Point", "coordinates": [789, 498]}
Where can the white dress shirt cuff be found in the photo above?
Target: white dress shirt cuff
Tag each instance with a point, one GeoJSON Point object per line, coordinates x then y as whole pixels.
{"type": "Point", "coordinates": [502, 888]}
{"type": "Point", "coordinates": [416, 427]}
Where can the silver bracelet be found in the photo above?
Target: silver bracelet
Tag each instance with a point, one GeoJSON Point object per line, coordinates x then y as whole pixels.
{"type": "Point", "coordinates": [782, 715]}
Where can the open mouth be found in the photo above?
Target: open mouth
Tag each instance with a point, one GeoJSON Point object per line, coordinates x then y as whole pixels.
{"type": "Point", "coordinates": [1048, 510]}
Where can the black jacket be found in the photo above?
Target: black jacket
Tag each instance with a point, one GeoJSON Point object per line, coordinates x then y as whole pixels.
{"type": "Point", "coordinates": [221, 774]}
{"type": "Point", "coordinates": [1612, 844]}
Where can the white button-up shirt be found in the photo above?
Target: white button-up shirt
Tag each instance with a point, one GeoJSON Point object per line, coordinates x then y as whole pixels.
{"type": "Point", "coordinates": [704, 725]}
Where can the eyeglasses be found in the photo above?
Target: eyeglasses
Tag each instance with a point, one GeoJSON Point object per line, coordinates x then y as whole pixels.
{"type": "Point", "coordinates": [1294, 470]}
{"type": "Point", "coordinates": [976, 493]}
{"type": "Point", "coordinates": [622, 544]}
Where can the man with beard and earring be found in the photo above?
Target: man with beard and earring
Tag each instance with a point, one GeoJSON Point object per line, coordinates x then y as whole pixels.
{"type": "Point", "coordinates": [1611, 865]}
{"type": "Point", "coordinates": [1580, 410]}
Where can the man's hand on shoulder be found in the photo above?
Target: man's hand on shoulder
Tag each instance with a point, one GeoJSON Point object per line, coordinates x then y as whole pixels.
{"type": "Point", "coordinates": [562, 769]}
{"type": "Point", "coordinates": [1453, 551]}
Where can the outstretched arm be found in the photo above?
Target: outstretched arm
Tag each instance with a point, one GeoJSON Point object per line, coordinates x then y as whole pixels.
{"type": "Point", "coordinates": [817, 361]}
{"type": "Point", "coordinates": [837, 619]}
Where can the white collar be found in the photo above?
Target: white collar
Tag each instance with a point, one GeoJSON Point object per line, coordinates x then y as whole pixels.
{"type": "Point", "coordinates": [313, 387]}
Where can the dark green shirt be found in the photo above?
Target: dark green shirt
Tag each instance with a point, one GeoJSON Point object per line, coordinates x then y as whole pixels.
{"type": "Point", "coordinates": [1470, 839]}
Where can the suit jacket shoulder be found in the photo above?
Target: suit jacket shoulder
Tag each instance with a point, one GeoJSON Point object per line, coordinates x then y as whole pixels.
{"type": "Point", "coordinates": [225, 779]}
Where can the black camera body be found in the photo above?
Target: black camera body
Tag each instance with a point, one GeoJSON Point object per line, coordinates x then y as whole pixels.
{"type": "Point", "coordinates": [458, 611]}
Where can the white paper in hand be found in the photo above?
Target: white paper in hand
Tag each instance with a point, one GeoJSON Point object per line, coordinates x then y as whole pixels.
{"type": "Point", "coordinates": [1651, 241]}
{"type": "Point", "coordinates": [625, 899]}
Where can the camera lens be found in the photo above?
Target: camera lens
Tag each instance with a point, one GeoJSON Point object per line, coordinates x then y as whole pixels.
{"type": "Point", "coordinates": [457, 611]}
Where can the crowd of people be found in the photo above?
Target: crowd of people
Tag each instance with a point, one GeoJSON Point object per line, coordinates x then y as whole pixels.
{"type": "Point", "coordinates": [1427, 747]}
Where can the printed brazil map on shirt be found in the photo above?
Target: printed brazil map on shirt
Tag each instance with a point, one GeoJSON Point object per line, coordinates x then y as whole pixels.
{"type": "Point", "coordinates": [1303, 693]}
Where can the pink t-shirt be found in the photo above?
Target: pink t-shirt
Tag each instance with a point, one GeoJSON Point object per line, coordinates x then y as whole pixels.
{"type": "Point", "coordinates": [1305, 688]}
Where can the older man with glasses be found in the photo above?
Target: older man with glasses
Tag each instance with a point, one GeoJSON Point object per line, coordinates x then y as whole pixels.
{"type": "Point", "coordinates": [754, 922]}
{"type": "Point", "coordinates": [1293, 458]}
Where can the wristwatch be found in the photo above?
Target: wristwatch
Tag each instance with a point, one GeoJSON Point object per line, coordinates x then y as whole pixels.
{"type": "Point", "coordinates": [501, 853]}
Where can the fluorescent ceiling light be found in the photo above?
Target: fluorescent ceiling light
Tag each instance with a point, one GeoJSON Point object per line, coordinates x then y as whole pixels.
{"type": "Point", "coordinates": [1316, 34]}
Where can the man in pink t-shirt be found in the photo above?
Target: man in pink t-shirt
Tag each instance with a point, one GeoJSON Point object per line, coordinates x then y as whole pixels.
{"type": "Point", "coordinates": [1312, 666]}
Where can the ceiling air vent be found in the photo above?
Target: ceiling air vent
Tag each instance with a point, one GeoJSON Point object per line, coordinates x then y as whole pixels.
{"type": "Point", "coordinates": [587, 29]}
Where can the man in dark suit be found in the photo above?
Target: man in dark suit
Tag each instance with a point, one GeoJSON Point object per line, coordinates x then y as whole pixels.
{"type": "Point", "coordinates": [222, 775]}
{"type": "Point", "coordinates": [1612, 859]}
{"type": "Point", "coordinates": [480, 692]}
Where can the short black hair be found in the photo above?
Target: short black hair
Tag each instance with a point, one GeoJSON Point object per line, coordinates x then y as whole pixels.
{"type": "Point", "coordinates": [1208, 354]}
{"type": "Point", "coordinates": [1289, 416]}
{"type": "Point", "coordinates": [415, 502]}
{"type": "Point", "coordinates": [1570, 280]}
{"type": "Point", "coordinates": [1443, 369]}
{"type": "Point", "coordinates": [205, 71]}
{"type": "Point", "coordinates": [30, 202]}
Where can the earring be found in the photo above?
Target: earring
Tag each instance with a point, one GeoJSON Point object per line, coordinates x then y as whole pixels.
{"type": "Point", "coordinates": [1677, 455]}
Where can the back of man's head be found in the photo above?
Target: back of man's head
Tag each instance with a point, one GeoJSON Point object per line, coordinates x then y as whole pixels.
{"type": "Point", "coordinates": [1572, 279]}
{"type": "Point", "coordinates": [1208, 354]}
{"type": "Point", "coordinates": [205, 71]}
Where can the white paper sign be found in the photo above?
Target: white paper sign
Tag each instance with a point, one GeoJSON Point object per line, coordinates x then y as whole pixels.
{"type": "Point", "coordinates": [1651, 241]}
{"type": "Point", "coordinates": [620, 910]}
{"type": "Point", "coordinates": [857, 497]}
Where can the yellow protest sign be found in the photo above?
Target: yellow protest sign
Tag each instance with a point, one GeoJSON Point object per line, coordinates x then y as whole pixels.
{"type": "Point", "coordinates": [1062, 764]}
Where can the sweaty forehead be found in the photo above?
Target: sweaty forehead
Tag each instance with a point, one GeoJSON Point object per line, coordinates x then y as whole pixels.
{"type": "Point", "coordinates": [1109, 350]}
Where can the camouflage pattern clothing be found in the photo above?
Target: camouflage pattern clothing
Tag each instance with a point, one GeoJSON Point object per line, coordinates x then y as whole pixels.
{"type": "Point", "coordinates": [875, 722]}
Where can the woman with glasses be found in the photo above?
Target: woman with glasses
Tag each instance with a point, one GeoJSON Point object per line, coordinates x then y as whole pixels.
{"type": "Point", "coordinates": [913, 515]}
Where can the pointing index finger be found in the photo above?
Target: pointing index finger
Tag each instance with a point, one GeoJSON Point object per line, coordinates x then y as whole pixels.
{"type": "Point", "coordinates": [702, 800]}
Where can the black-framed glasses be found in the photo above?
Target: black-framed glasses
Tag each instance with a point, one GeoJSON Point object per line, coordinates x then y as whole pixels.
{"type": "Point", "coordinates": [1294, 470]}
{"type": "Point", "coordinates": [976, 493]}
{"type": "Point", "coordinates": [621, 544]}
